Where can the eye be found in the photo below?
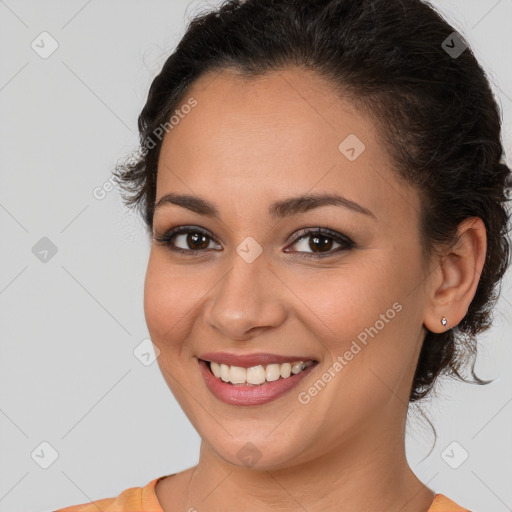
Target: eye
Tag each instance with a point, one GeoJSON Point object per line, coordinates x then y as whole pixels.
{"type": "Point", "coordinates": [195, 240]}
{"type": "Point", "coordinates": [321, 242]}
{"type": "Point", "coordinates": [194, 237]}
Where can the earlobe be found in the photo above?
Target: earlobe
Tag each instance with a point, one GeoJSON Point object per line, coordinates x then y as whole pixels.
{"type": "Point", "coordinates": [459, 269]}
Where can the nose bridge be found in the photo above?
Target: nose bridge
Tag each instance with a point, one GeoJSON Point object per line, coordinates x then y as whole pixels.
{"type": "Point", "coordinates": [246, 297]}
{"type": "Point", "coordinates": [249, 265]}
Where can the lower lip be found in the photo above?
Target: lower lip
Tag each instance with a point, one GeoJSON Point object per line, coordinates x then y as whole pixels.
{"type": "Point", "coordinates": [250, 395]}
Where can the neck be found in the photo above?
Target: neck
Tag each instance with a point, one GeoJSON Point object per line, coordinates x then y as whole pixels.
{"type": "Point", "coordinates": [357, 475]}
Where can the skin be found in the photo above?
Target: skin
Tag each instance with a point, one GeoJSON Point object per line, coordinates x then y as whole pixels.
{"type": "Point", "coordinates": [248, 143]}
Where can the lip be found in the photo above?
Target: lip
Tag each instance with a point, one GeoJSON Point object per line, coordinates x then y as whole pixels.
{"type": "Point", "coordinates": [248, 360]}
{"type": "Point", "coordinates": [250, 395]}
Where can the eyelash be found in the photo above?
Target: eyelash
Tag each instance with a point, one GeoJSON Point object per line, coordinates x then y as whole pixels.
{"type": "Point", "coordinates": [346, 243]}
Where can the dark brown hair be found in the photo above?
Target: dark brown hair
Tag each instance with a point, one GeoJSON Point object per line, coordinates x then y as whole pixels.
{"type": "Point", "coordinates": [401, 63]}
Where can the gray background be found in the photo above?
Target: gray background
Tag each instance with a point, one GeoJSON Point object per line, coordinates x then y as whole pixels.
{"type": "Point", "coordinates": [68, 374]}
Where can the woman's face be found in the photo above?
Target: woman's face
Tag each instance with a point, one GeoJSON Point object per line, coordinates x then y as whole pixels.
{"type": "Point", "coordinates": [355, 309]}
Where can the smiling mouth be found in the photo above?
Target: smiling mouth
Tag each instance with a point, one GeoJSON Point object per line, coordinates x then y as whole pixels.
{"type": "Point", "coordinates": [258, 375]}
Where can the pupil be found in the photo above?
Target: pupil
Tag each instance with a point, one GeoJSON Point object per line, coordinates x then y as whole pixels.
{"type": "Point", "coordinates": [192, 240]}
{"type": "Point", "coordinates": [316, 240]}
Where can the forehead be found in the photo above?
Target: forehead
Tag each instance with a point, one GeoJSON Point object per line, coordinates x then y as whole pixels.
{"type": "Point", "coordinates": [282, 133]}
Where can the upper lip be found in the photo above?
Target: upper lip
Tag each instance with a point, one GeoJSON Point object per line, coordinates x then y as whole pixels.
{"type": "Point", "coordinates": [248, 360]}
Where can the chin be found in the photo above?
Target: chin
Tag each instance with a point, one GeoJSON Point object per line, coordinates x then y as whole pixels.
{"type": "Point", "coordinates": [259, 452]}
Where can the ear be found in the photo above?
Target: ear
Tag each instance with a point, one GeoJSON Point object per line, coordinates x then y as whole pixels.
{"type": "Point", "coordinates": [456, 277]}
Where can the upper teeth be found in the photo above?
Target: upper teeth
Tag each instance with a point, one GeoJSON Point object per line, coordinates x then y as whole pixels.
{"type": "Point", "coordinates": [257, 374]}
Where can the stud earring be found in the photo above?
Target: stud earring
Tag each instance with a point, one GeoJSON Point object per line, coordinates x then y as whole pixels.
{"type": "Point", "coordinates": [444, 321]}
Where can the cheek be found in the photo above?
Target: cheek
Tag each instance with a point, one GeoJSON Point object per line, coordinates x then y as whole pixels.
{"type": "Point", "coordinates": [361, 313]}
{"type": "Point", "coordinates": [168, 299]}
{"type": "Point", "coordinates": [375, 316]}
{"type": "Point", "coordinates": [348, 299]}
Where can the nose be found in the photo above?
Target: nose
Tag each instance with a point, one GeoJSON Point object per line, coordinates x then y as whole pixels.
{"type": "Point", "coordinates": [248, 300]}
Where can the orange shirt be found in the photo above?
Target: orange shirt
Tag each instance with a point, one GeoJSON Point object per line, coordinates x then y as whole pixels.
{"type": "Point", "coordinates": [143, 499]}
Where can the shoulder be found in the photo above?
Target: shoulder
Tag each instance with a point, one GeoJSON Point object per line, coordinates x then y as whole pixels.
{"type": "Point", "coordinates": [133, 499]}
{"type": "Point", "coordinates": [442, 503]}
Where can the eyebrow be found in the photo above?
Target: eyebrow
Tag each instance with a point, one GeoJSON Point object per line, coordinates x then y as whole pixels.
{"type": "Point", "coordinates": [277, 210]}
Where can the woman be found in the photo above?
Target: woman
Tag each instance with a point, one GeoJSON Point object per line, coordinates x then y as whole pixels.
{"type": "Point", "coordinates": [324, 186]}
